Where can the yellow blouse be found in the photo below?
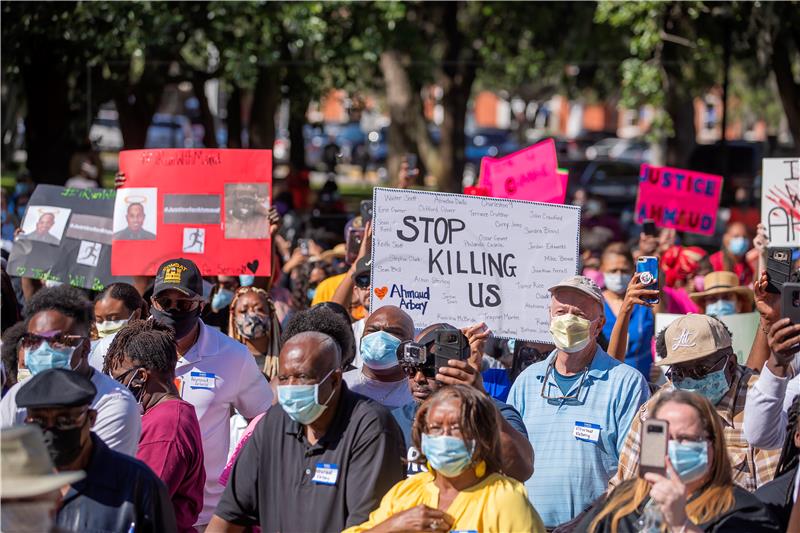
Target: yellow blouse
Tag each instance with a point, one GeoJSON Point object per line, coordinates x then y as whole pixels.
{"type": "Point", "coordinates": [496, 504]}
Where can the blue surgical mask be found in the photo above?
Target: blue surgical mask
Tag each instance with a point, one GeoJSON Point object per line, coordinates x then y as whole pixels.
{"type": "Point", "coordinates": [310, 293]}
{"type": "Point", "coordinates": [379, 350]}
{"type": "Point", "coordinates": [301, 402]}
{"type": "Point", "coordinates": [739, 245]}
{"type": "Point", "coordinates": [46, 357]}
{"type": "Point", "coordinates": [721, 308]}
{"type": "Point", "coordinates": [246, 280]}
{"type": "Point", "coordinates": [616, 283]}
{"type": "Point", "coordinates": [221, 299]}
{"type": "Point", "coordinates": [689, 459]}
{"type": "Point", "coordinates": [447, 455]}
{"type": "Point", "coordinates": [713, 386]}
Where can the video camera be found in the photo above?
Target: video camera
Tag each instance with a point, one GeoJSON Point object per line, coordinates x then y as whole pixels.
{"type": "Point", "coordinates": [433, 350]}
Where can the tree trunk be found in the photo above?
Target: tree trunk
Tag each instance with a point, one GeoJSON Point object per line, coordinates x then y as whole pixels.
{"type": "Point", "coordinates": [206, 118]}
{"type": "Point", "coordinates": [788, 89]}
{"type": "Point", "coordinates": [679, 102]}
{"type": "Point", "coordinates": [234, 117]}
{"type": "Point", "coordinates": [266, 98]}
{"type": "Point", "coordinates": [298, 106]}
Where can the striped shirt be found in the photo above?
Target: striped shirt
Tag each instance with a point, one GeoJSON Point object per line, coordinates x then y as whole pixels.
{"type": "Point", "coordinates": [752, 467]}
{"type": "Point", "coordinates": [576, 441]}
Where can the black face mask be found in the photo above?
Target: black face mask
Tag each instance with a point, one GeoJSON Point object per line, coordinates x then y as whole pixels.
{"type": "Point", "coordinates": [181, 322]}
{"type": "Point", "coordinates": [64, 445]}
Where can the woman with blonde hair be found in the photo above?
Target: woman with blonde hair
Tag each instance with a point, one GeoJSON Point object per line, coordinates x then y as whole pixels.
{"type": "Point", "coordinates": [463, 490]}
{"type": "Point", "coordinates": [254, 323]}
{"type": "Point", "coordinates": [697, 494]}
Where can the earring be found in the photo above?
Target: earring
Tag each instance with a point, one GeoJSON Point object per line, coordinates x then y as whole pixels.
{"type": "Point", "coordinates": [480, 470]}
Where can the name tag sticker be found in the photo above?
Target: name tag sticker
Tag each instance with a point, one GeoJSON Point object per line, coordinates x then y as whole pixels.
{"type": "Point", "coordinates": [202, 380]}
{"type": "Point", "coordinates": [326, 474]}
{"type": "Point", "coordinates": [586, 432]}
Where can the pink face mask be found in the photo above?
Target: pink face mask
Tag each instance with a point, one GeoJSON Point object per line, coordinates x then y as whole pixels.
{"type": "Point", "coordinates": [699, 284]}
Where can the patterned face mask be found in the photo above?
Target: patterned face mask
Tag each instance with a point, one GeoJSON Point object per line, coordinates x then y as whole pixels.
{"type": "Point", "coordinates": [252, 325]}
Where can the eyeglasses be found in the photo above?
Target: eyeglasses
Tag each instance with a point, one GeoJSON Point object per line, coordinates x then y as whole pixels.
{"type": "Point", "coordinates": [438, 431]}
{"type": "Point", "coordinates": [362, 281]}
{"type": "Point", "coordinates": [573, 396]}
{"type": "Point", "coordinates": [411, 370]}
{"type": "Point", "coordinates": [61, 422]}
{"type": "Point", "coordinates": [685, 439]}
{"type": "Point", "coordinates": [696, 371]}
{"type": "Point", "coordinates": [122, 377]}
{"type": "Point", "coordinates": [31, 341]}
{"type": "Point", "coordinates": [183, 305]}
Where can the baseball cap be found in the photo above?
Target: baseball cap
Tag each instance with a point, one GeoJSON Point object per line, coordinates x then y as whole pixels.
{"type": "Point", "coordinates": [179, 274]}
{"type": "Point", "coordinates": [363, 272]}
{"type": "Point", "coordinates": [581, 284]}
{"type": "Point", "coordinates": [692, 337]}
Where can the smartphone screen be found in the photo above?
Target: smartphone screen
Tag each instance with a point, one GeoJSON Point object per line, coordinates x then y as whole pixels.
{"type": "Point", "coordinates": [648, 267]}
{"type": "Point", "coordinates": [655, 434]}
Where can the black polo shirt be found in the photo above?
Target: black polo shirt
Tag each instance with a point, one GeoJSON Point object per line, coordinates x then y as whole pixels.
{"type": "Point", "coordinates": [283, 483]}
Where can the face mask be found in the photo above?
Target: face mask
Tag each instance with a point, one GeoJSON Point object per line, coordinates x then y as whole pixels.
{"type": "Point", "coordinates": [246, 280]}
{"type": "Point", "coordinates": [301, 402]}
{"type": "Point", "coordinates": [713, 386]}
{"type": "Point", "coordinates": [109, 327]}
{"type": "Point", "coordinates": [721, 308]}
{"type": "Point", "coordinates": [447, 455]}
{"type": "Point", "coordinates": [570, 332]}
{"type": "Point", "coordinates": [221, 299]}
{"type": "Point", "coordinates": [690, 459]}
{"type": "Point", "coordinates": [27, 517]}
{"type": "Point", "coordinates": [252, 325]}
{"type": "Point", "coordinates": [379, 350]}
{"type": "Point", "coordinates": [182, 323]}
{"type": "Point", "coordinates": [616, 283]}
{"type": "Point", "coordinates": [699, 284]}
{"type": "Point", "coordinates": [310, 294]}
{"type": "Point", "coordinates": [739, 245]}
{"type": "Point", "coordinates": [46, 357]}
{"type": "Point", "coordinates": [64, 445]}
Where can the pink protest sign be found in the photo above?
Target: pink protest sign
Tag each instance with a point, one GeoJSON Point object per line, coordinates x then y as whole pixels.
{"type": "Point", "coordinates": [529, 174]}
{"type": "Point", "coordinates": [676, 198]}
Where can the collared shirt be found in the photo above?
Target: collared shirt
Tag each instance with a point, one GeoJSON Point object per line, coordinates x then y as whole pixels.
{"type": "Point", "coordinates": [118, 424]}
{"type": "Point", "coordinates": [283, 483]}
{"type": "Point", "coordinates": [752, 467]}
{"type": "Point", "coordinates": [577, 442]}
{"type": "Point", "coordinates": [119, 493]}
{"type": "Point", "coordinates": [218, 373]}
{"type": "Point", "coordinates": [766, 409]}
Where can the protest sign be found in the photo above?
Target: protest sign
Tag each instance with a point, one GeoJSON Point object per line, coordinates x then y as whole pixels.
{"type": "Point", "coordinates": [66, 237]}
{"type": "Point", "coordinates": [529, 174]}
{"type": "Point", "coordinates": [743, 327]}
{"type": "Point", "coordinates": [466, 259]}
{"type": "Point", "coordinates": [684, 200]}
{"type": "Point", "coordinates": [780, 208]}
{"type": "Point", "coordinates": [210, 206]}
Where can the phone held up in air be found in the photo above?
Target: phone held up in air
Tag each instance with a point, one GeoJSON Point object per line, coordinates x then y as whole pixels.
{"type": "Point", "coordinates": [647, 266]}
{"type": "Point", "coordinates": [655, 434]}
{"type": "Point", "coordinates": [353, 243]}
{"type": "Point", "coordinates": [649, 227]}
{"type": "Point", "coordinates": [304, 248]}
{"type": "Point", "coordinates": [366, 211]}
{"type": "Point", "coordinates": [790, 302]}
{"type": "Point", "coordinates": [779, 268]}
{"type": "Point", "coordinates": [449, 345]}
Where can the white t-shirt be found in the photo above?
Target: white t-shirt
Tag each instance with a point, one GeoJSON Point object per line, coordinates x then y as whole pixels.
{"type": "Point", "coordinates": [218, 373]}
{"type": "Point", "coordinates": [99, 351]}
{"type": "Point", "coordinates": [118, 423]}
{"type": "Point", "coordinates": [390, 394]}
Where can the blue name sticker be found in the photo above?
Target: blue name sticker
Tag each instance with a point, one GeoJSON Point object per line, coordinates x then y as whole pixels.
{"type": "Point", "coordinates": [326, 474]}
{"type": "Point", "coordinates": [586, 432]}
{"type": "Point", "coordinates": [202, 380]}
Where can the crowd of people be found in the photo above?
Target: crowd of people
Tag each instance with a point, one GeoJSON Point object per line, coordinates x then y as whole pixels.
{"type": "Point", "coordinates": [195, 403]}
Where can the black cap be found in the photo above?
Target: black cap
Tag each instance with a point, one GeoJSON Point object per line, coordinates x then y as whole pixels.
{"type": "Point", "coordinates": [56, 387]}
{"type": "Point", "coordinates": [363, 266]}
{"type": "Point", "coordinates": [181, 275]}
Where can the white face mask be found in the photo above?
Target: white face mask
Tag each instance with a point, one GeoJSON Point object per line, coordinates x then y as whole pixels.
{"type": "Point", "coordinates": [109, 327]}
{"type": "Point", "coordinates": [27, 517]}
{"type": "Point", "coordinates": [571, 333]}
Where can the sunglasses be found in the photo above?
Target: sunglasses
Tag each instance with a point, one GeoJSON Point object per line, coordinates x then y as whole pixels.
{"type": "Point", "coordinates": [362, 281]}
{"type": "Point", "coordinates": [31, 341]}
{"type": "Point", "coordinates": [411, 370]}
{"type": "Point", "coordinates": [697, 371]}
{"type": "Point", "coordinates": [61, 422]}
{"type": "Point", "coordinates": [183, 305]}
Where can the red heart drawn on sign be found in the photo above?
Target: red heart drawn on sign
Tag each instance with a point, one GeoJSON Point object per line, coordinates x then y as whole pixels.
{"type": "Point", "coordinates": [380, 292]}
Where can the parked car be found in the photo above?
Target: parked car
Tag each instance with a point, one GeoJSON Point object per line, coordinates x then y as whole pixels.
{"type": "Point", "coordinates": [635, 150]}
{"type": "Point", "coordinates": [616, 182]}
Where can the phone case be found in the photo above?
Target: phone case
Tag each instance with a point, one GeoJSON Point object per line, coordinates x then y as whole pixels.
{"type": "Point", "coordinates": [648, 267]}
{"type": "Point", "coordinates": [790, 302]}
{"type": "Point", "coordinates": [655, 434]}
{"type": "Point", "coordinates": [779, 268]}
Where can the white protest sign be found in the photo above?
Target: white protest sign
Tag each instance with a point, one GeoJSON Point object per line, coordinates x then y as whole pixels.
{"type": "Point", "coordinates": [743, 327]}
{"type": "Point", "coordinates": [780, 200]}
{"type": "Point", "coordinates": [466, 259]}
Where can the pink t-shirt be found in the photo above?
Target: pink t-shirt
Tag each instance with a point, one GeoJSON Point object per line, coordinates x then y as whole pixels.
{"type": "Point", "coordinates": [171, 445]}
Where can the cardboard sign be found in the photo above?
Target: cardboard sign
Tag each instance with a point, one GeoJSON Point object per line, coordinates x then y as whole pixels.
{"type": "Point", "coordinates": [210, 206]}
{"type": "Point", "coordinates": [66, 237]}
{"type": "Point", "coordinates": [743, 328]}
{"type": "Point", "coordinates": [529, 174]}
{"type": "Point", "coordinates": [780, 201]}
{"type": "Point", "coordinates": [676, 198]}
{"type": "Point", "coordinates": [466, 259]}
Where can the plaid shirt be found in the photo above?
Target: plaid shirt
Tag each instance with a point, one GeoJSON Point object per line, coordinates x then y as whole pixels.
{"type": "Point", "coordinates": [752, 467]}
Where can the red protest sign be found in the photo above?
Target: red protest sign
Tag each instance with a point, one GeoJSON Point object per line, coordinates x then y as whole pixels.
{"type": "Point", "coordinates": [210, 206]}
{"type": "Point", "coordinates": [529, 174]}
{"type": "Point", "coordinates": [677, 198]}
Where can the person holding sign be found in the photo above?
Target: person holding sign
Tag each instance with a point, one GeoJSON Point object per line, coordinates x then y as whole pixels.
{"type": "Point", "coordinates": [577, 405]}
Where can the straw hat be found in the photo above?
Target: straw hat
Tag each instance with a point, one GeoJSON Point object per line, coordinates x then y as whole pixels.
{"type": "Point", "coordinates": [722, 282]}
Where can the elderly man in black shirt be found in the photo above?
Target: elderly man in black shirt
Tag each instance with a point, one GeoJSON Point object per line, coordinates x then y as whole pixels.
{"type": "Point", "coordinates": [119, 493]}
{"type": "Point", "coordinates": [322, 462]}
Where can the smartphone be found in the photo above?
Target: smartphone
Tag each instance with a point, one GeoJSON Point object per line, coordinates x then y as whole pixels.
{"type": "Point", "coordinates": [655, 434]}
{"type": "Point", "coordinates": [411, 161]}
{"type": "Point", "coordinates": [649, 227]}
{"type": "Point", "coordinates": [647, 265]}
{"type": "Point", "coordinates": [366, 211]}
{"type": "Point", "coordinates": [353, 239]}
{"type": "Point", "coordinates": [790, 302]}
{"type": "Point", "coordinates": [303, 245]}
{"type": "Point", "coordinates": [779, 268]}
{"type": "Point", "coordinates": [450, 345]}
